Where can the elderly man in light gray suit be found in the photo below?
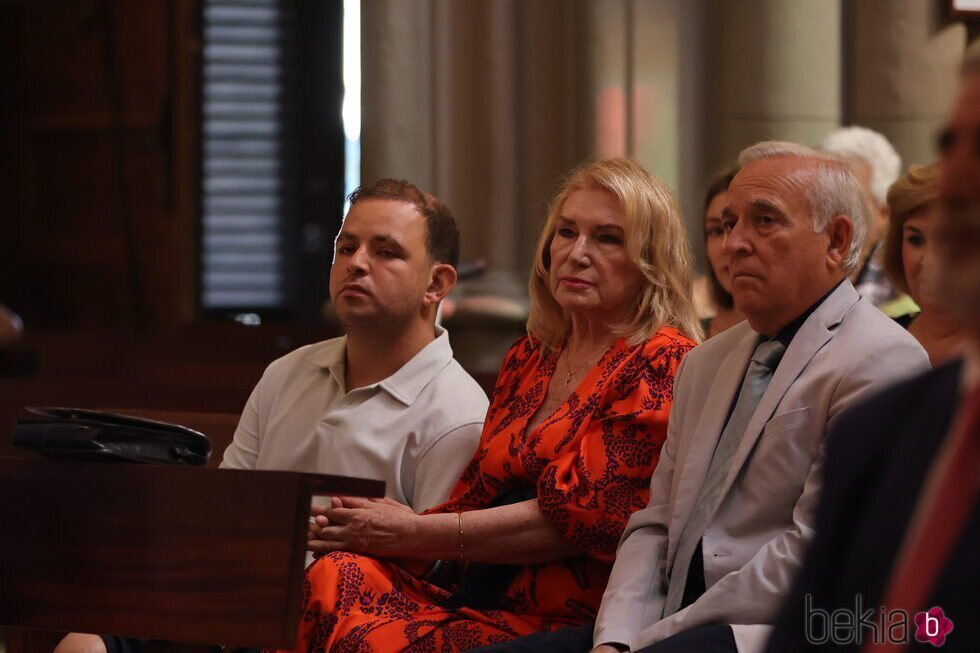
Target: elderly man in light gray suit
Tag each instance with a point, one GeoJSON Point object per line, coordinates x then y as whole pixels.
{"type": "Point", "coordinates": [705, 565]}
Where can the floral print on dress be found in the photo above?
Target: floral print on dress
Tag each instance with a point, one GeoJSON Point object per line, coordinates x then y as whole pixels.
{"type": "Point", "coordinates": [590, 463]}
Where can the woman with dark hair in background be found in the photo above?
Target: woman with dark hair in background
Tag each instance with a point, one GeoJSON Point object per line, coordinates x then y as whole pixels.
{"type": "Point", "coordinates": [717, 275]}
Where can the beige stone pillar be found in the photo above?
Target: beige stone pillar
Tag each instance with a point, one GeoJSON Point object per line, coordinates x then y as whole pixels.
{"type": "Point", "coordinates": [656, 105]}
{"type": "Point", "coordinates": [475, 124]}
{"type": "Point", "coordinates": [668, 71]}
{"type": "Point", "coordinates": [554, 112]}
{"type": "Point", "coordinates": [396, 91]}
{"type": "Point", "coordinates": [483, 102]}
{"type": "Point", "coordinates": [610, 83]}
{"type": "Point", "coordinates": [901, 72]}
{"type": "Point", "coordinates": [775, 70]}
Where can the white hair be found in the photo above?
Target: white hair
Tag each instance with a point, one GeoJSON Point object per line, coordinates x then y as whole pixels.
{"type": "Point", "coordinates": [831, 190]}
{"type": "Point", "coordinates": [872, 148]}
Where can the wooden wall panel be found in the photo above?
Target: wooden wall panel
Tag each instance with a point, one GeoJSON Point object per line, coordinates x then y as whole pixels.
{"type": "Point", "coordinates": [100, 132]}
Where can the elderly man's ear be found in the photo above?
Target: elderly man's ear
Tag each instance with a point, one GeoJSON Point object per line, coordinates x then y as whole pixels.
{"type": "Point", "coordinates": [841, 232]}
{"type": "Point", "coordinates": [443, 280]}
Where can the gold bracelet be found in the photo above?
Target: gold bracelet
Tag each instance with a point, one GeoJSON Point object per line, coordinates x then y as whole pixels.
{"type": "Point", "coordinates": [459, 519]}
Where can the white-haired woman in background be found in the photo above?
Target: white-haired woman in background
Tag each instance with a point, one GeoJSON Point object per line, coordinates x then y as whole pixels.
{"type": "Point", "coordinates": [876, 165]}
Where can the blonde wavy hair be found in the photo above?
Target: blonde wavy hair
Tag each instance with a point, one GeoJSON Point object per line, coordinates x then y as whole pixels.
{"type": "Point", "coordinates": [655, 240]}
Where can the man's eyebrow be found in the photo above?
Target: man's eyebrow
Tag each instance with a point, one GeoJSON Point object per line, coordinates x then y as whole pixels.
{"type": "Point", "coordinates": [389, 240]}
{"type": "Point", "coordinates": [910, 227]}
{"type": "Point", "coordinates": [764, 205]}
{"type": "Point", "coordinates": [343, 235]}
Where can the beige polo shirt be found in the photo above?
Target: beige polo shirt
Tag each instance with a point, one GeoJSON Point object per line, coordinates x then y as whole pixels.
{"type": "Point", "coordinates": [415, 430]}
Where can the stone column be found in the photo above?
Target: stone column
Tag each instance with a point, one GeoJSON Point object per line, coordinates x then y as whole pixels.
{"type": "Point", "coordinates": [902, 71]}
{"type": "Point", "coordinates": [668, 69]}
{"type": "Point", "coordinates": [554, 111]}
{"type": "Point", "coordinates": [610, 88]}
{"type": "Point", "coordinates": [481, 102]}
{"type": "Point", "coordinates": [396, 91]}
{"type": "Point", "coordinates": [476, 124]}
{"type": "Point", "coordinates": [775, 73]}
{"type": "Point", "coordinates": [484, 103]}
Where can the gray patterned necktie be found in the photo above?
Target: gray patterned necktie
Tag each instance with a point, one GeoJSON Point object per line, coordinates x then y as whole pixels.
{"type": "Point", "coordinates": [757, 377]}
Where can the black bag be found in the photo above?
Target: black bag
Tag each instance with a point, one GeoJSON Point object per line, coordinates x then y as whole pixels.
{"type": "Point", "coordinates": [78, 434]}
{"type": "Point", "coordinates": [482, 585]}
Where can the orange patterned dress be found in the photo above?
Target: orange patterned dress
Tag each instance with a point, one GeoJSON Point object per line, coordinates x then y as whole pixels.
{"type": "Point", "coordinates": [590, 463]}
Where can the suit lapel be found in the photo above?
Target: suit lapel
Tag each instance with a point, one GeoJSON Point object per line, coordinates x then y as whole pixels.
{"type": "Point", "coordinates": [811, 338]}
{"type": "Point", "coordinates": [704, 439]}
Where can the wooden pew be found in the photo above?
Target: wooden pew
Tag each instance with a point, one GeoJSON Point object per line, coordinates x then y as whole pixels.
{"type": "Point", "coordinates": [200, 377]}
{"type": "Point", "coordinates": [169, 553]}
{"type": "Point", "coordinates": [117, 396]}
{"type": "Point", "coordinates": [219, 427]}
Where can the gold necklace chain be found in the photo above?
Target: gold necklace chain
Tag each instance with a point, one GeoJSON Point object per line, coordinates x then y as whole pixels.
{"type": "Point", "coordinates": [568, 367]}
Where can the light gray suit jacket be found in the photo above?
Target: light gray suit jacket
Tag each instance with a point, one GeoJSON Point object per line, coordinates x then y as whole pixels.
{"type": "Point", "coordinates": [845, 351]}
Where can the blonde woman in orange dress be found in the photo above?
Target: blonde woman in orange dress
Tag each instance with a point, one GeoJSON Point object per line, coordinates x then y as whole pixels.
{"type": "Point", "coordinates": [575, 428]}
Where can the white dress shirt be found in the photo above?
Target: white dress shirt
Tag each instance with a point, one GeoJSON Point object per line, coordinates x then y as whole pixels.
{"type": "Point", "coordinates": [415, 430]}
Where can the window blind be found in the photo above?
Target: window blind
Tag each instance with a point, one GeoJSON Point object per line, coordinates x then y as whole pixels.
{"type": "Point", "coordinates": [247, 152]}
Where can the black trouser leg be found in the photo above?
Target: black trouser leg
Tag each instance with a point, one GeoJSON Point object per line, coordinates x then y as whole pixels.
{"type": "Point", "coordinates": [116, 644]}
{"type": "Point", "coordinates": [717, 638]}
{"type": "Point", "coordinates": [563, 640]}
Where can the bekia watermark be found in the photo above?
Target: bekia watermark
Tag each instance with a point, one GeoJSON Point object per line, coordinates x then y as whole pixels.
{"type": "Point", "coordinates": [845, 626]}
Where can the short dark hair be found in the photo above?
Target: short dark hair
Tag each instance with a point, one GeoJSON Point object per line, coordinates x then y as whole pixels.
{"type": "Point", "coordinates": [442, 235]}
{"type": "Point", "coordinates": [721, 297]}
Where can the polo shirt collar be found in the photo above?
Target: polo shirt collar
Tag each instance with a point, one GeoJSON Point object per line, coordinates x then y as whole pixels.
{"type": "Point", "coordinates": [405, 384]}
{"type": "Point", "coordinates": [330, 356]}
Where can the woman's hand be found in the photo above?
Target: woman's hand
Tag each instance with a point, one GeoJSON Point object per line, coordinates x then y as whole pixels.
{"type": "Point", "coordinates": [514, 534]}
{"type": "Point", "coordinates": [313, 528]}
{"type": "Point", "coordinates": [378, 527]}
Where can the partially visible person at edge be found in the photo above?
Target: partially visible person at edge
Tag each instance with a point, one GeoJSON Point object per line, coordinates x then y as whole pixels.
{"type": "Point", "coordinates": [877, 165]}
{"type": "Point", "coordinates": [11, 327]}
{"type": "Point", "coordinates": [898, 525]}
{"type": "Point", "coordinates": [910, 260]}
{"type": "Point", "coordinates": [385, 401]}
{"type": "Point", "coordinates": [718, 273]}
{"type": "Point", "coordinates": [578, 416]}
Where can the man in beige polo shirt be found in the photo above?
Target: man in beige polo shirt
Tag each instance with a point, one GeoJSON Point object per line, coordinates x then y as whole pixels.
{"type": "Point", "coordinates": [387, 400]}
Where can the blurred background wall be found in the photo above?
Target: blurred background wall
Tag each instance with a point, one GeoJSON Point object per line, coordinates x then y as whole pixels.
{"type": "Point", "coordinates": [496, 99]}
{"type": "Point", "coordinates": [173, 171]}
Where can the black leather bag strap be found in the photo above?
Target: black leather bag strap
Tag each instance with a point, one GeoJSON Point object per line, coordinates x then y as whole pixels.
{"type": "Point", "coordinates": [78, 434]}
